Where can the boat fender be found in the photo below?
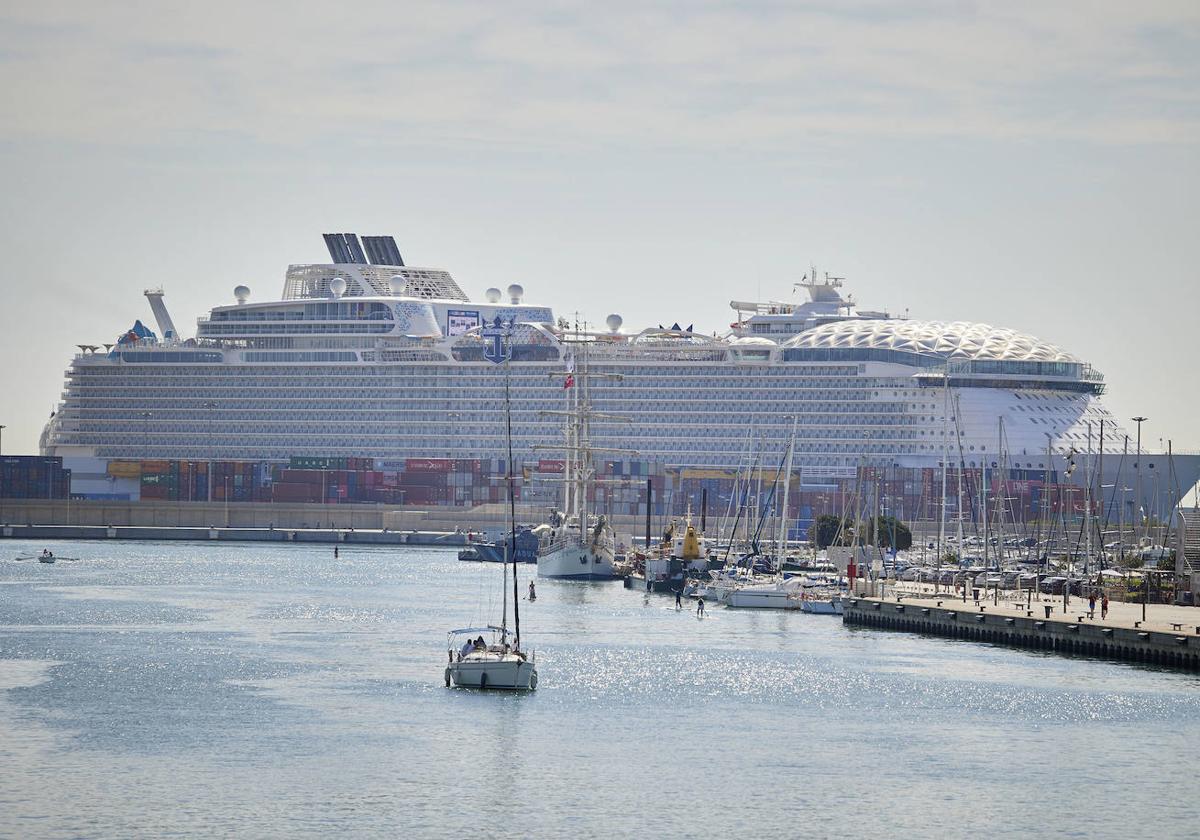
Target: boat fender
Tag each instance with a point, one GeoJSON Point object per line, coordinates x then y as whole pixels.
{"type": "Point", "coordinates": [483, 680]}
{"type": "Point", "coordinates": [533, 680]}
{"type": "Point", "coordinates": [447, 678]}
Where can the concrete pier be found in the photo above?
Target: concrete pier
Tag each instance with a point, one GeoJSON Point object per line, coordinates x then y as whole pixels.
{"type": "Point", "coordinates": [1169, 638]}
{"type": "Point", "coordinates": [300, 535]}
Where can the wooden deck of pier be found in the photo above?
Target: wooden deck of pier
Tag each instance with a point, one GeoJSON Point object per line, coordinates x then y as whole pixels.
{"type": "Point", "coordinates": [1162, 618]}
{"type": "Point", "coordinates": [1169, 636]}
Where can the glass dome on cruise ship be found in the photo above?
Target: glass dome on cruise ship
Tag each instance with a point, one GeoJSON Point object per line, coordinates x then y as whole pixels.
{"type": "Point", "coordinates": [938, 339]}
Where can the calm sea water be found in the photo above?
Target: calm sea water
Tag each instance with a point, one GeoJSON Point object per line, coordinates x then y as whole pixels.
{"type": "Point", "coordinates": [207, 690]}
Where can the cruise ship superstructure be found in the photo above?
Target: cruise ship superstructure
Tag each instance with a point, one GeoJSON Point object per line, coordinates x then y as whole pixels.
{"type": "Point", "coordinates": [367, 357]}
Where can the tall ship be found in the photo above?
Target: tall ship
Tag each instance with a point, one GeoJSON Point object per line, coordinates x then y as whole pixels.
{"type": "Point", "coordinates": [366, 366]}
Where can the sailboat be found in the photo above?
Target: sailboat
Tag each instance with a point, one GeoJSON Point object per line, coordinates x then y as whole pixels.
{"type": "Point", "coordinates": [582, 545]}
{"type": "Point", "coordinates": [779, 593]}
{"type": "Point", "coordinates": [494, 661]}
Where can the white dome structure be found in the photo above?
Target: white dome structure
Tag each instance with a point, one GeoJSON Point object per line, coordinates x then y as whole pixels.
{"type": "Point", "coordinates": [752, 341]}
{"type": "Point", "coordinates": [939, 339]}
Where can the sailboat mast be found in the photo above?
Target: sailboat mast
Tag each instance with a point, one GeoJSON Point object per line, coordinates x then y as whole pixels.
{"type": "Point", "coordinates": [510, 547]}
{"type": "Point", "coordinates": [583, 405]}
{"type": "Point", "coordinates": [983, 509]}
{"type": "Point", "coordinates": [787, 483]}
{"type": "Point", "coordinates": [1087, 498]}
{"type": "Point", "coordinates": [945, 463]}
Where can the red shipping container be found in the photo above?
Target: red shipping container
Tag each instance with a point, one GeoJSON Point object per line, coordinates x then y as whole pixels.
{"type": "Point", "coordinates": [428, 465]}
{"type": "Point", "coordinates": [423, 480]}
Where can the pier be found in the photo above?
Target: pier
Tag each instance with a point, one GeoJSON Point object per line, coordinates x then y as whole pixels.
{"type": "Point", "coordinates": [172, 533]}
{"type": "Point", "coordinates": [1168, 637]}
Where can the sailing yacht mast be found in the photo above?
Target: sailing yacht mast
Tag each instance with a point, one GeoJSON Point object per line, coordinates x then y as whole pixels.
{"type": "Point", "coordinates": [945, 462]}
{"type": "Point", "coordinates": [1087, 498]}
{"type": "Point", "coordinates": [783, 513]}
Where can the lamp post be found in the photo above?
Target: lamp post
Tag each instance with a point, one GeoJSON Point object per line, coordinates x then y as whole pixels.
{"type": "Point", "coordinates": [453, 417]}
{"type": "Point", "coordinates": [209, 406]}
{"type": "Point", "coordinates": [2, 489]}
{"type": "Point", "coordinates": [146, 415]}
{"type": "Point", "coordinates": [1137, 467]}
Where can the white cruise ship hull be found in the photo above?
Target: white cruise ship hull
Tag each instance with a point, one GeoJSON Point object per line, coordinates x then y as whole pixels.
{"type": "Point", "coordinates": [576, 562]}
{"type": "Point", "coordinates": [372, 361]}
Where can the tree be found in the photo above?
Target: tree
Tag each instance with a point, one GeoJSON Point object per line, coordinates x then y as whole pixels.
{"type": "Point", "coordinates": [824, 530]}
{"type": "Point", "coordinates": [885, 527]}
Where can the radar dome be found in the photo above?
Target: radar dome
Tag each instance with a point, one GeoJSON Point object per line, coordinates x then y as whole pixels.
{"type": "Point", "coordinates": [241, 293]}
{"type": "Point", "coordinates": [337, 286]}
{"type": "Point", "coordinates": [397, 284]}
{"type": "Point", "coordinates": [515, 293]}
{"type": "Point", "coordinates": [493, 295]}
{"type": "Point", "coordinates": [614, 322]}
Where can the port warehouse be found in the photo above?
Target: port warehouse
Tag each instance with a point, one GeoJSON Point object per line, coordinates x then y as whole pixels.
{"type": "Point", "coordinates": [909, 493]}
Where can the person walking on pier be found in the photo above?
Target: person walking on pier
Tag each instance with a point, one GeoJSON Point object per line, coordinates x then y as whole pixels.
{"type": "Point", "coordinates": [1091, 603]}
{"type": "Point", "coordinates": [678, 599]}
{"type": "Point", "coordinates": [1104, 606]}
{"type": "Point", "coordinates": [700, 606]}
{"type": "Point", "coordinates": [532, 592]}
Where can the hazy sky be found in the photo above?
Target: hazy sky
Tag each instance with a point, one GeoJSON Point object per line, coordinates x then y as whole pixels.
{"type": "Point", "coordinates": [1026, 164]}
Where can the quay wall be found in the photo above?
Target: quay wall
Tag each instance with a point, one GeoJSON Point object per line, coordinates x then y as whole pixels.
{"type": "Point", "coordinates": [122, 532]}
{"type": "Point", "coordinates": [1030, 629]}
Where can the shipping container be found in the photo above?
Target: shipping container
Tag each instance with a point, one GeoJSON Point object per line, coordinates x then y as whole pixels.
{"type": "Point", "coordinates": [125, 469]}
{"type": "Point", "coordinates": [440, 465]}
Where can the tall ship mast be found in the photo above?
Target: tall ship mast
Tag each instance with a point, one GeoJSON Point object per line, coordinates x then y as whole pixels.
{"type": "Point", "coordinates": [366, 365]}
{"type": "Point", "coordinates": [582, 544]}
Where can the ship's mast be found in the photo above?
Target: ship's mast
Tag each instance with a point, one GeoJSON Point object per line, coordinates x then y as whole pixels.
{"type": "Point", "coordinates": [783, 514]}
{"type": "Point", "coordinates": [945, 466]}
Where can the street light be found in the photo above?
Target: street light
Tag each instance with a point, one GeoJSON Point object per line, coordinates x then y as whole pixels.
{"type": "Point", "coordinates": [1141, 514]}
{"type": "Point", "coordinates": [2, 490]}
{"type": "Point", "coordinates": [453, 417]}
{"type": "Point", "coordinates": [209, 406]}
{"type": "Point", "coordinates": [1137, 466]}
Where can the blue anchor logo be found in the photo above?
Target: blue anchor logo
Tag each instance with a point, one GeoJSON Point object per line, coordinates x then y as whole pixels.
{"type": "Point", "coordinates": [496, 350]}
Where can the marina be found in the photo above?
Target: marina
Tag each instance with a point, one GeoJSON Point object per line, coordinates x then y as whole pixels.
{"type": "Point", "coordinates": [675, 421]}
{"type": "Point", "coordinates": [1163, 635]}
{"type": "Point", "coordinates": [184, 687]}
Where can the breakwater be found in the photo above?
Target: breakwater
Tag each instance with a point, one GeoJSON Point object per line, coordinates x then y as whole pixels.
{"type": "Point", "coordinates": [1170, 639]}
{"type": "Point", "coordinates": [299, 535]}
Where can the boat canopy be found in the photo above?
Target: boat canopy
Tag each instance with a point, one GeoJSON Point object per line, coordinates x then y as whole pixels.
{"type": "Point", "coordinates": [489, 629]}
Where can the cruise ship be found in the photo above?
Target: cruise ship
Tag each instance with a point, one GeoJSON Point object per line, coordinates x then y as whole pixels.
{"type": "Point", "coordinates": [366, 357]}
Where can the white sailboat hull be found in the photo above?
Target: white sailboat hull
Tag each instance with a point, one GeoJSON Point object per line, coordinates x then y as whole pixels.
{"type": "Point", "coordinates": [491, 671]}
{"type": "Point", "coordinates": [817, 607]}
{"type": "Point", "coordinates": [763, 599]}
